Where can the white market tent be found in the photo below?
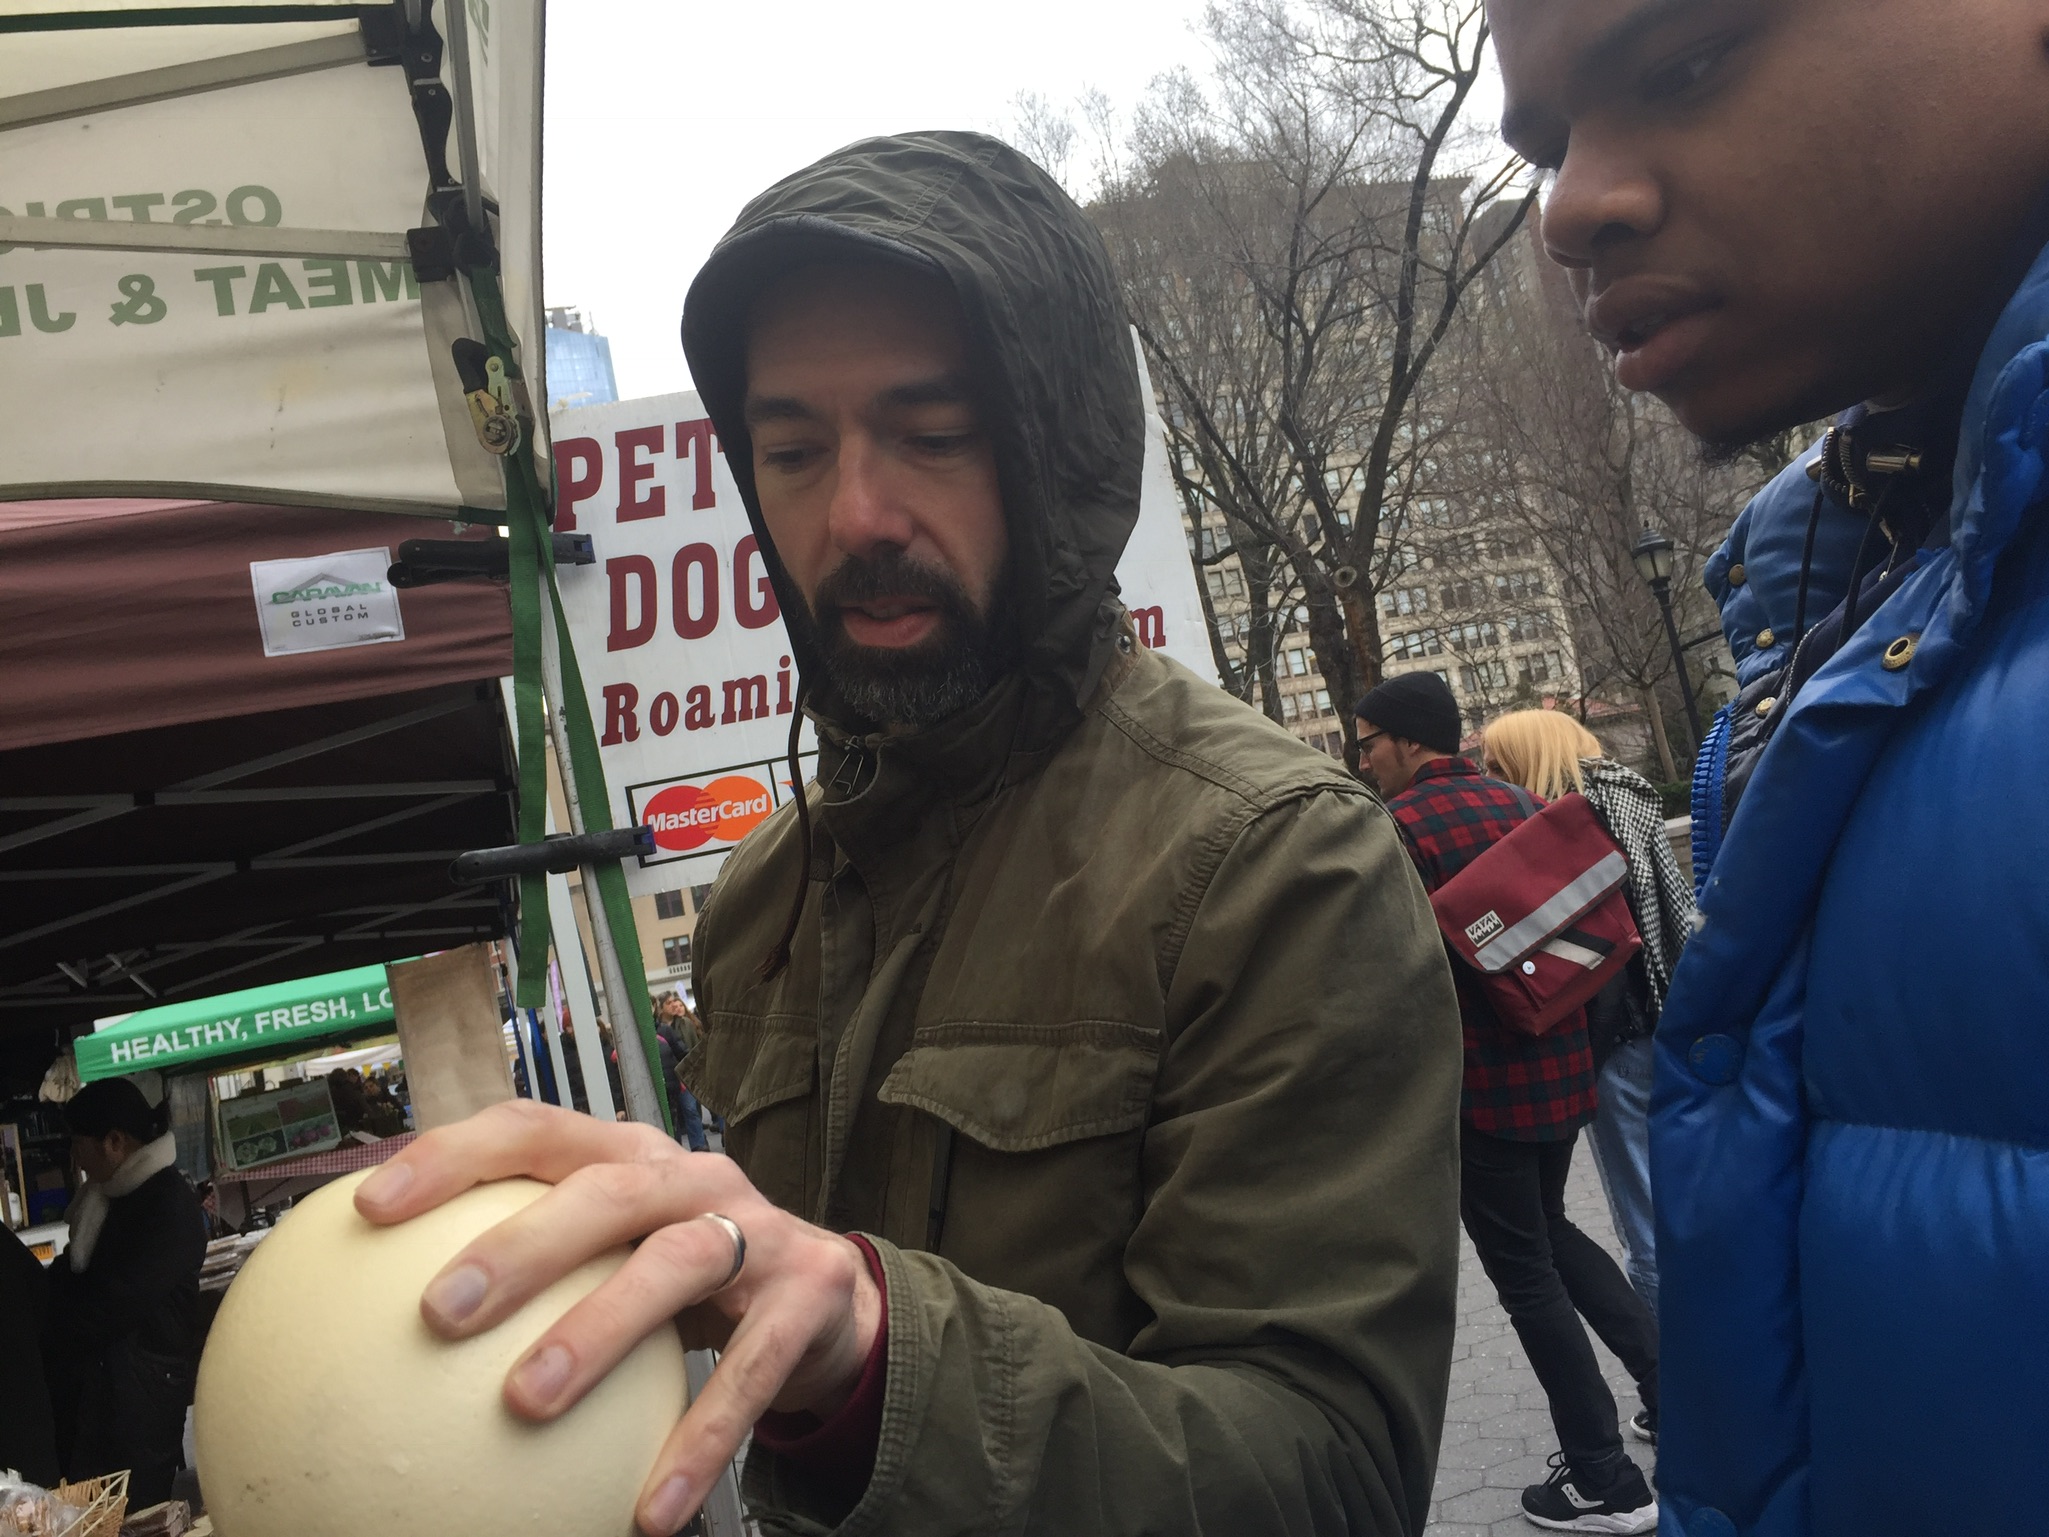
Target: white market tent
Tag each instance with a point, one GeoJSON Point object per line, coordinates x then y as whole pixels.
{"type": "Point", "coordinates": [288, 255]}
{"type": "Point", "coordinates": [233, 242]}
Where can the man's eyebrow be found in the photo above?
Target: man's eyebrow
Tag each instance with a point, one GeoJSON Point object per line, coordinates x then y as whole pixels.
{"type": "Point", "coordinates": [1595, 61]}
{"type": "Point", "coordinates": [1613, 45]}
{"type": "Point", "coordinates": [946, 390]}
{"type": "Point", "coordinates": [777, 408]}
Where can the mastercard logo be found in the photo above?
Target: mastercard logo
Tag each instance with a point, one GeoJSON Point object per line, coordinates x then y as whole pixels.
{"type": "Point", "coordinates": [725, 810]}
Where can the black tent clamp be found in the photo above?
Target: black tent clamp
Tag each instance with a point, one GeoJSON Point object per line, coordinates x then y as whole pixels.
{"type": "Point", "coordinates": [556, 855]}
{"type": "Point", "coordinates": [423, 562]}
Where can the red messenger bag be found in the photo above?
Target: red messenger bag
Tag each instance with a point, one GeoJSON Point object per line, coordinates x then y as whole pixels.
{"type": "Point", "coordinates": [1542, 916]}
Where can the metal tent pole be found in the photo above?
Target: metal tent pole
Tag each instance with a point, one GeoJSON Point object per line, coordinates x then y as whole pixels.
{"type": "Point", "coordinates": [644, 1101]}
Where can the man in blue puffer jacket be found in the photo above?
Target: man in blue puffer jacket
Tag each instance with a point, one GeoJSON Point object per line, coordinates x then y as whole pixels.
{"type": "Point", "coordinates": [1775, 209]}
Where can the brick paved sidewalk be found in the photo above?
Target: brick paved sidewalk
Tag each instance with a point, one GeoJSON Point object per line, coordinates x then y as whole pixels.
{"type": "Point", "coordinates": [1497, 1430]}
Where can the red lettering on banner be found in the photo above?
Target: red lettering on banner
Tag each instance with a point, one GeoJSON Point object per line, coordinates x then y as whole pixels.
{"type": "Point", "coordinates": [754, 603]}
{"type": "Point", "coordinates": [661, 715]}
{"type": "Point", "coordinates": [636, 570]}
{"type": "Point", "coordinates": [746, 698]}
{"type": "Point", "coordinates": [621, 723]}
{"type": "Point", "coordinates": [579, 471]}
{"type": "Point", "coordinates": [783, 706]}
{"type": "Point", "coordinates": [696, 624]}
{"type": "Point", "coordinates": [697, 709]}
{"type": "Point", "coordinates": [632, 472]}
{"type": "Point", "coordinates": [694, 441]}
{"type": "Point", "coordinates": [1151, 624]}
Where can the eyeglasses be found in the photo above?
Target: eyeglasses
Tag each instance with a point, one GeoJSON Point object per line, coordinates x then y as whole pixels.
{"type": "Point", "coordinates": [1367, 741]}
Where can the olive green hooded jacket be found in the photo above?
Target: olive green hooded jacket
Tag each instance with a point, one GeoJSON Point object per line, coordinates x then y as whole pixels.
{"type": "Point", "coordinates": [1115, 1015]}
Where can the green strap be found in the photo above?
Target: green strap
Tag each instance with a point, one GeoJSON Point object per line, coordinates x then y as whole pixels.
{"type": "Point", "coordinates": [532, 561]}
{"type": "Point", "coordinates": [530, 726]}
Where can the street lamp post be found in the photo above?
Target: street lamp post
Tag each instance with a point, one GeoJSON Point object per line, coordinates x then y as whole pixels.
{"type": "Point", "coordinates": [1652, 556]}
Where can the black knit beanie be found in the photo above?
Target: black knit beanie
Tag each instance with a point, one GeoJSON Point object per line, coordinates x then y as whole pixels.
{"type": "Point", "coordinates": [1418, 707]}
{"type": "Point", "coordinates": [112, 1104]}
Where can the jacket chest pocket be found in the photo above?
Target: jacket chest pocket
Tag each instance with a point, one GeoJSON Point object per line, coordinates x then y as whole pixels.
{"type": "Point", "coordinates": [1038, 1171]}
{"type": "Point", "coordinates": [759, 1072]}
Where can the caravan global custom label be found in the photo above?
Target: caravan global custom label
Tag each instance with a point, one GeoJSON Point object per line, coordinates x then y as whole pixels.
{"type": "Point", "coordinates": [322, 602]}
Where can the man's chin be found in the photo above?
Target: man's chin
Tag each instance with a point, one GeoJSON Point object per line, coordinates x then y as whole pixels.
{"type": "Point", "coordinates": [1730, 412]}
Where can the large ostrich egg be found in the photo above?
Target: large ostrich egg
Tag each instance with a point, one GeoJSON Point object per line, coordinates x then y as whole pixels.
{"type": "Point", "coordinates": [327, 1408]}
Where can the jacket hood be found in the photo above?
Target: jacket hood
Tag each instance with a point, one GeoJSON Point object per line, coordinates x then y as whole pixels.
{"type": "Point", "coordinates": [1047, 335]}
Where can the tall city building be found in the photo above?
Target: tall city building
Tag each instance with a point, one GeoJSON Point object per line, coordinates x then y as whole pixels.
{"type": "Point", "coordinates": [579, 361]}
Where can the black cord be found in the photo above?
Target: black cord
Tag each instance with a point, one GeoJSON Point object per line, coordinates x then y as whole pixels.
{"type": "Point", "coordinates": [778, 959]}
{"type": "Point", "coordinates": [1807, 567]}
{"type": "Point", "coordinates": [1858, 569]}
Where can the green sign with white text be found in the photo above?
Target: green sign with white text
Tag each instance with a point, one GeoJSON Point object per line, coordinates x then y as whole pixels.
{"type": "Point", "coordinates": [281, 1017]}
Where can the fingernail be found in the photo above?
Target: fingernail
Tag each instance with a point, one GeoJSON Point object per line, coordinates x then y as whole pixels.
{"type": "Point", "coordinates": [455, 1296]}
{"type": "Point", "coordinates": [541, 1377]}
{"type": "Point", "coordinates": [386, 1185]}
{"type": "Point", "coordinates": [666, 1505]}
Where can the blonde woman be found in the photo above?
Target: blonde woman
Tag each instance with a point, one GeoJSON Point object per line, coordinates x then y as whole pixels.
{"type": "Point", "coordinates": [1551, 754]}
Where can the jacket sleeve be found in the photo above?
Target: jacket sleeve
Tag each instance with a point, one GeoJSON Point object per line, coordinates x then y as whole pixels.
{"type": "Point", "coordinates": [121, 1291]}
{"type": "Point", "coordinates": [1297, 1248]}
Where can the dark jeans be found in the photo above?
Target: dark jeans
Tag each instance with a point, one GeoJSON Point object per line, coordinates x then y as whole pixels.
{"type": "Point", "coordinates": [1548, 1275]}
{"type": "Point", "coordinates": [692, 1122]}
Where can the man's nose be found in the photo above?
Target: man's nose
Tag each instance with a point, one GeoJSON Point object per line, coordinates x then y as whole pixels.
{"type": "Point", "coordinates": [1602, 197]}
{"type": "Point", "coordinates": [865, 513]}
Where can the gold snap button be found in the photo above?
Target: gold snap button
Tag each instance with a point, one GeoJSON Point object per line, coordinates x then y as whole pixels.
{"type": "Point", "coordinates": [1901, 652]}
{"type": "Point", "coordinates": [1765, 706]}
{"type": "Point", "coordinates": [1736, 574]}
{"type": "Point", "coordinates": [1766, 640]}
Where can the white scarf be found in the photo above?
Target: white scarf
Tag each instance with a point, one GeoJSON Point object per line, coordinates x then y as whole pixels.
{"type": "Point", "coordinates": [89, 1211]}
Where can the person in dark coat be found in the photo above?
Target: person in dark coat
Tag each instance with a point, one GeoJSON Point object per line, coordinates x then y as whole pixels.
{"type": "Point", "coordinates": [124, 1299]}
{"type": "Point", "coordinates": [1525, 1100]}
{"type": "Point", "coordinates": [28, 1432]}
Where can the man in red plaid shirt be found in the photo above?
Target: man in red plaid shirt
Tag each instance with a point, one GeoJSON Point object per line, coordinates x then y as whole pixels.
{"type": "Point", "coordinates": [1526, 1097]}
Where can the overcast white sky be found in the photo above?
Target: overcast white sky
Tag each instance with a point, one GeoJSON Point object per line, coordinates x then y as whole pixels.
{"type": "Point", "coordinates": [664, 118]}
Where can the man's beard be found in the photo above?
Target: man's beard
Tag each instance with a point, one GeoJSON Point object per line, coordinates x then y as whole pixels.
{"type": "Point", "coordinates": [919, 685]}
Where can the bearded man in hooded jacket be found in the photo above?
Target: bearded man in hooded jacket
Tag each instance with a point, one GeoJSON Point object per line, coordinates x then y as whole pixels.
{"type": "Point", "coordinates": [1089, 1057]}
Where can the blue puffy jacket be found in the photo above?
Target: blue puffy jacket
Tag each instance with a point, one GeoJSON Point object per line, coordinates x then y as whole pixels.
{"type": "Point", "coordinates": [1850, 1130]}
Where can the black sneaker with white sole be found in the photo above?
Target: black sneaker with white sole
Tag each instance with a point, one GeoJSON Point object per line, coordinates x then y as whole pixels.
{"type": "Point", "coordinates": [1625, 1505]}
{"type": "Point", "coordinates": [1645, 1426]}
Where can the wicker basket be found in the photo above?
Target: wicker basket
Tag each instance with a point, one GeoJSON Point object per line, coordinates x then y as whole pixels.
{"type": "Point", "coordinates": [104, 1501]}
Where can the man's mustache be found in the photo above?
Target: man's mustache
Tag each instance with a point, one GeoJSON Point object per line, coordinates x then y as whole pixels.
{"type": "Point", "coordinates": [858, 580]}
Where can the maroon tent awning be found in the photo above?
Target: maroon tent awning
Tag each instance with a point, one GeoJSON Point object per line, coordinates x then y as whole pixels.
{"type": "Point", "coordinates": [116, 616]}
{"type": "Point", "coordinates": [181, 814]}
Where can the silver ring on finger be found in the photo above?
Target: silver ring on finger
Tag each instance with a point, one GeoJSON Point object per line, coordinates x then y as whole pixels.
{"type": "Point", "coordinates": [739, 1247]}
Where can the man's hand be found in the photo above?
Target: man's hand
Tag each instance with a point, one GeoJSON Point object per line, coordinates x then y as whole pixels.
{"type": "Point", "coordinates": [795, 1327]}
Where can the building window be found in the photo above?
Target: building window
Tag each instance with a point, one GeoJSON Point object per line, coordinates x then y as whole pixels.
{"type": "Point", "coordinates": [1405, 601]}
{"type": "Point", "coordinates": [1298, 663]}
{"type": "Point", "coordinates": [1519, 584]}
{"type": "Point", "coordinates": [668, 904]}
{"type": "Point", "coordinates": [1290, 708]}
{"type": "Point", "coordinates": [699, 895]}
{"type": "Point", "coordinates": [1323, 701]}
{"type": "Point", "coordinates": [676, 952]}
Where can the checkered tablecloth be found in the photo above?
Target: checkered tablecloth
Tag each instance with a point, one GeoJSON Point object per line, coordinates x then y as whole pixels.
{"type": "Point", "coordinates": [346, 1159]}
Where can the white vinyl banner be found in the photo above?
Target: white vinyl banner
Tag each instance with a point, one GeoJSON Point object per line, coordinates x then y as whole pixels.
{"type": "Point", "coordinates": [204, 277]}
{"type": "Point", "coordinates": [681, 641]}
